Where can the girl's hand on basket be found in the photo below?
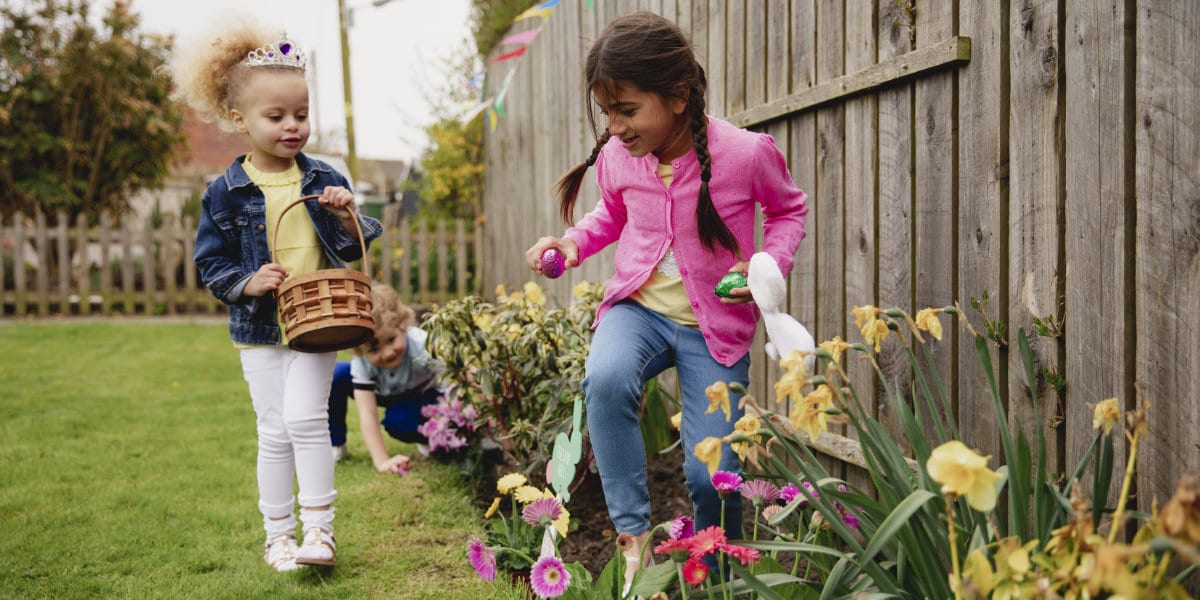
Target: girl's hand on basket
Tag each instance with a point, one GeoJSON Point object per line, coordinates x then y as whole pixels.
{"type": "Point", "coordinates": [739, 295]}
{"type": "Point", "coordinates": [336, 199]}
{"type": "Point", "coordinates": [269, 277]}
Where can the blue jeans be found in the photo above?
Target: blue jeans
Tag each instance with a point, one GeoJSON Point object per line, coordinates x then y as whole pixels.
{"type": "Point", "coordinates": [631, 345]}
{"type": "Point", "coordinates": [401, 416]}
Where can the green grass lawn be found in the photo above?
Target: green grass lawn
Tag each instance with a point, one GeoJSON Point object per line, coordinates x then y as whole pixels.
{"type": "Point", "coordinates": [127, 471]}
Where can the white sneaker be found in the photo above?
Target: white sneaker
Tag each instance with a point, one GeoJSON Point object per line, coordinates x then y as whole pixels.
{"type": "Point", "coordinates": [317, 549]}
{"type": "Point", "coordinates": [423, 450]}
{"type": "Point", "coordinates": [280, 553]}
{"type": "Point", "coordinates": [340, 453]}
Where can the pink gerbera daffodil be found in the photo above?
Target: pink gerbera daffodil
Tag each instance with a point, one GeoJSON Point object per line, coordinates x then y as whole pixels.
{"type": "Point", "coordinates": [482, 559]}
{"type": "Point", "coordinates": [549, 578]}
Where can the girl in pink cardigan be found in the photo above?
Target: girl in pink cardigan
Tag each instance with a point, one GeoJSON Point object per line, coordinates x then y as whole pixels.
{"type": "Point", "coordinates": [678, 192]}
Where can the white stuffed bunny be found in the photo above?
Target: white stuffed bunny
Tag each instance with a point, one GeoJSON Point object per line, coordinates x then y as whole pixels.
{"type": "Point", "coordinates": [784, 332]}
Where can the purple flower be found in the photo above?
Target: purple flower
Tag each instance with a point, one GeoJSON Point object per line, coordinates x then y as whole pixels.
{"type": "Point", "coordinates": [791, 493]}
{"type": "Point", "coordinates": [542, 512]}
{"type": "Point", "coordinates": [482, 559]}
{"type": "Point", "coordinates": [549, 578]}
{"type": "Point", "coordinates": [726, 482]}
{"type": "Point", "coordinates": [850, 519]}
{"type": "Point", "coordinates": [759, 491]}
{"type": "Point", "coordinates": [682, 527]}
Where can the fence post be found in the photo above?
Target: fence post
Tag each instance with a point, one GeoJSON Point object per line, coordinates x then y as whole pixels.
{"type": "Point", "coordinates": [18, 229]}
{"type": "Point", "coordinates": [64, 263]}
{"type": "Point", "coordinates": [128, 281]}
{"type": "Point", "coordinates": [460, 258]}
{"type": "Point", "coordinates": [84, 274]}
{"type": "Point", "coordinates": [148, 280]}
{"type": "Point", "coordinates": [106, 284]}
{"type": "Point", "coordinates": [42, 276]}
{"type": "Point", "coordinates": [422, 262]}
{"type": "Point", "coordinates": [385, 244]}
{"type": "Point", "coordinates": [443, 248]}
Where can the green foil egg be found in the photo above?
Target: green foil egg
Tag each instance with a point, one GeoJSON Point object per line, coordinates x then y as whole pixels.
{"type": "Point", "coordinates": [729, 282]}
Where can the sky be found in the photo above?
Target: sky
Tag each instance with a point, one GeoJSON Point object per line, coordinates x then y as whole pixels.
{"type": "Point", "coordinates": [397, 51]}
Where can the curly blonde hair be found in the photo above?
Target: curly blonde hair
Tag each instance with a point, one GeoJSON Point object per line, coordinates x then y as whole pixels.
{"type": "Point", "coordinates": [389, 313]}
{"type": "Point", "coordinates": [209, 75]}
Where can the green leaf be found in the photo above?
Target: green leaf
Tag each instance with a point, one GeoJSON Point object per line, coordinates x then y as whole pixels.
{"type": "Point", "coordinates": [899, 518]}
{"type": "Point", "coordinates": [761, 584]}
{"type": "Point", "coordinates": [652, 579]}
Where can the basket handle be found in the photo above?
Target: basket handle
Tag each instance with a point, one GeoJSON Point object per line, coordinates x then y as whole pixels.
{"type": "Point", "coordinates": [366, 258]}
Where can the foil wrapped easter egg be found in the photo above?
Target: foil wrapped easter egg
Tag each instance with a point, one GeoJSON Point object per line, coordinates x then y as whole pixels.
{"type": "Point", "coordinates": [552, 264]}
{"type": "Point", "coordinates": [729, 282]}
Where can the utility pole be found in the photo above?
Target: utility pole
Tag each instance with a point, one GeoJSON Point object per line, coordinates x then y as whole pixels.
{"type": "Point", "coordinates": [347, 93]}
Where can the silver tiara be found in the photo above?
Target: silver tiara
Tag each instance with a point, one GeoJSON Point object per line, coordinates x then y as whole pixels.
{"type": "Point", "coordinates": [283, 54]}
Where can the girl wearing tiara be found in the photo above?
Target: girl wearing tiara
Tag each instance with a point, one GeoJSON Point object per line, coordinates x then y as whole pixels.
{"type": "Point", "coordinates": [678, 190]}
{"type": "Point", "coordinates": [253, 82]}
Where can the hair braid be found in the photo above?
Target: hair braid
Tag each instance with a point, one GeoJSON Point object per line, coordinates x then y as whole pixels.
{"type": "Point", "coordinates": [713, 230]}
{"type": "Point", "coordinates": [567, 186]}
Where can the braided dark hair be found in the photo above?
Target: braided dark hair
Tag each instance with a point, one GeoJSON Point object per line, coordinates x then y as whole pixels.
{"type": "Point", "coordinates": [651, 53]}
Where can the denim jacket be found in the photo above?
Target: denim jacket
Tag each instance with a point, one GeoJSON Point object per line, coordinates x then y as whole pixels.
{"type": "Point", "coordinates": [231, 243]}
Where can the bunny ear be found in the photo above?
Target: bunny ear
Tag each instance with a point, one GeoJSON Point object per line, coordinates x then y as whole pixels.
{"type": "Point", "coordinates": [766, 282]}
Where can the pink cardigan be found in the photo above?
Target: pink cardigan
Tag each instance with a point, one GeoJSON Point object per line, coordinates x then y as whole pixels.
{"type": "Point", "coordinates": [646, 218]}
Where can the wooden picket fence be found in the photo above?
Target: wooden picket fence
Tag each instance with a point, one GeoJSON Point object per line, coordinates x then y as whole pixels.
{"type": "Point", "coordinates": [145, 267]}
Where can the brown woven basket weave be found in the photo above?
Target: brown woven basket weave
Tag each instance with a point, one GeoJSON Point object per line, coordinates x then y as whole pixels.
{"type": "Point", "coordinates": [326, 310]}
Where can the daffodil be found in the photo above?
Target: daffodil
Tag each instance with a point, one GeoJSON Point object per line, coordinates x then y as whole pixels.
{"type": "Point", "coordinates": [964, 472]}
{"type": "Point", "coordinates": [977, 571]}
{"type": "Point", "coordinates": [677, 420]}
{"type": "Point", "coordinates": [794, 363]}
{"type": "Point", "coordinates": [809, 415]}
{"type": "Point", "coordinates": [875, 331]}
{"type": "Point", "coordinates": [1106, 414]}
{"type": "Point", "coordinates": [864, 313]}
{"type": "Point", "coordinates": [835, 347]}
{"type": "Point", "coordinates": [747, 426]}
{"type": "Point", "coordinates": [510, 482]}
{"type": "Point", "coordinates": [718, 397]}
{"type": "Point", "coordinates": [709, 452]}
{"type": "Point", "coordinates": [927, 319]}
{"type": "Point", "coordinates": [534, 293]}
{"type": "Point", "coordinates": [500, 291]}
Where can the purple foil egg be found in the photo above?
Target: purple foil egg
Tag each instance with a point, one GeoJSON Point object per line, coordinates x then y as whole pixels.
{"type": "Point", "coordinates": [552, 264]}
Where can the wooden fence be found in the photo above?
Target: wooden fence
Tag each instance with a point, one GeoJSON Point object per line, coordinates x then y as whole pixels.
{"type": "Point", "coordinates": [146, 267]}
{"type": "Point", "coordinates": [1042, 151]}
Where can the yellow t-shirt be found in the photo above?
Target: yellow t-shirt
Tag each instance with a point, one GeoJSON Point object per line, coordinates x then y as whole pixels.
{"type": "Point", "coordinates": [297, 248]}
{"type": "Point", "coordinates": [663, 291]}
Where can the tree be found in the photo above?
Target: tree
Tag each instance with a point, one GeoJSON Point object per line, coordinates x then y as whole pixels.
{"type": "Point", "coordinates": [85, 116]}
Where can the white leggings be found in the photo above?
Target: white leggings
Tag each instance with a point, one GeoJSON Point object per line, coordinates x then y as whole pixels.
{"type": "Point", "coordinates": [290, 392]}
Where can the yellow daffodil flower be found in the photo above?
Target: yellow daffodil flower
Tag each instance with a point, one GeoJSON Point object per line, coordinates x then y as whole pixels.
{"type": "Point", "coordinates": [964, 472]}
{"type": "Point", "coordinates": [809, 415]}
{"type": "Point", "coordinates": [748, 426]}
{"type": "Point", "coordinates": [875, 331]}
{"type": "Point", "coordinates": [864, 313]}
{"type": "Point", "coordinates": [581, 289]}
{"type": "Point", "coordinates": [794, 363]}
{"type": "Point", "coordinates": [510, 482]}
{"type": "Point", "coordinates": [835, 347]}
{"type": "Point", "coordinates": [1106, 414]}
{"type": "Point", "coordinates": [718, 397]}
{"type": "Point", "coordinates": [709, 452]}
{"type": "Point", "coordinates": [677, 420]}
{"type": "Point", "coordinates": [927, 319]}
{"type": "Point", "coordinates": [500, 291]}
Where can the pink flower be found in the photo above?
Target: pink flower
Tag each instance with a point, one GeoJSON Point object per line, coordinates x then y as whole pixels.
{"type": "Point", "coordinates": [743, 554]}
{"type": "Point", "coordinates": [791, 493]}
{"type": "Point", "coordinates": [759, 491]}
{"type": "Point", "coordinates": [676, 549]}
{"type": "Point", "coordinates": [850, 519]}
{"type": "Point", "coordinates": [682, 527]}
{"type": "Point", "coordinates": [542, 512]}
{"type": "Point", "coordinates": [726, 482]}
{"type": "Point", "coordinates": [482, 559]}
{"type": "Point", "coordinates": [707, 541]}
{"type": "Point", "coordinates": [549, 577]}
{"type": "Point", "coordinates": [695, 571]}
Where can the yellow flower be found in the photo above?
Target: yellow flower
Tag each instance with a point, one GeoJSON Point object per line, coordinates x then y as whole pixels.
{"type": "Point", "coordinates": [964, 472]}
{"type": "Point", "coordinates": [563, 522]}
{"type": "Point", "coordinates": [709, 452]}
{"type": "Point", "coordinates": [809, 415]}
{"type": "Point", "coordinates": [500, 291]}
{"type": "Point", "coordinates": [514, 332]}
{"type": "Point", "coordinates": [977, 572]}
{"type": "Point", "coordinates": [927, 319]}
{"type": "Point", "coordinates": [527, 493]}
{"type": "Point", "coordinates": [510, 482]}
{"type": "Point", "coordinates": [794, 362]}
{"type": "Point", "coordinates": [875, 331]}
{"type": "Point", "coordinates": [864, 313]}
{"type": "Point", "coordinates": [789, 387]}
{"type": "Point", "coordinates": [483, 320]}
{"type": "Point", "coordinates": [516, 296]}
{"type": "Point", "coordinates": [748, 426]}
{"type": "Point", "coordinates": [835, 347]}
{"type": "Point", "coordinates": [1106, 414]}
{"type": "Point", "coordinates": [677, 420]}
{"type": "Point", "coordinates": [534, 294]}
{"type": "Point", "coordinates": [718, 397]}
{"type": "Point", "coordinates": [493, 508]}
{"type": "Point", "coordinates": [581, 289]}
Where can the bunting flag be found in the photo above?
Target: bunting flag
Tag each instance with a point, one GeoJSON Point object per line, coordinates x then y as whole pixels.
{"type": "Point", "coordinates": [474, 111]}
{"type": "Point", "coordinates": [476, 81]}
{"type": "Point", "coordinates": [543, 10]}
{"type": "Point", "coordinates": [590, 4]}
{"type": "Point", "coordinates": [499, 102]}
{"type": "Point", "coordinates": [509, 55]}
{"type": "Point", "coordinates": [522, 38]}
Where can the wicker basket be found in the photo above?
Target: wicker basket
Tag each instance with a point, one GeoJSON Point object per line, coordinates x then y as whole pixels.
{"type": "Point", "coordinates": [326, 310]}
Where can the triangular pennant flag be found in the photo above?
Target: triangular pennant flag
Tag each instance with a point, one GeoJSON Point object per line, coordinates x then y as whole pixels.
{"type": "Point", "coordinates": [543, 10]}
{"type": "Point", "coordinates": [499, 103]}
{"type": "Point", "coordinates": [590, 4]}
{"type": "Point", "coordinates": [492, 118]}
{"type": "Point", "coordinates": [470, 115]}
{"type": "Point", "coordinates": [514, 54]}
{"type": "Point", "coordinates": [521, 38]}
